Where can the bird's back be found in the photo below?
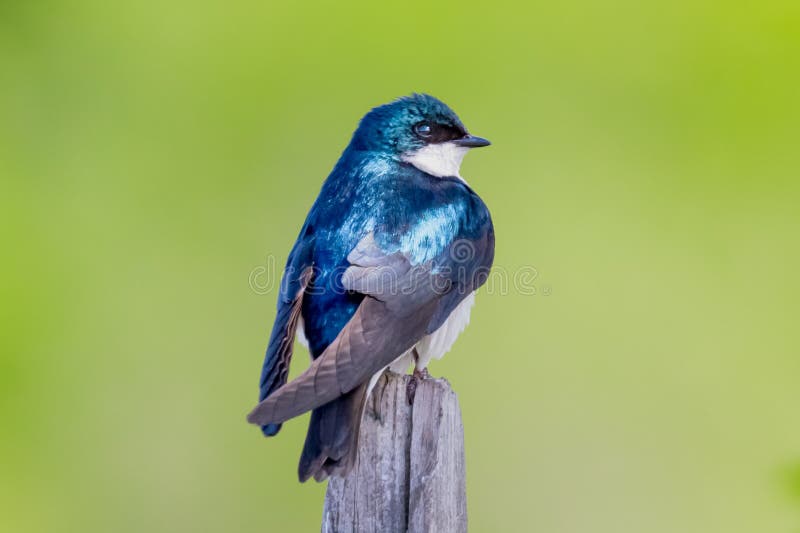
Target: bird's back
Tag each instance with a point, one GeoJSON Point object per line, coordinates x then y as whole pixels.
{"type": "Point", "coordinates": [407, 210]}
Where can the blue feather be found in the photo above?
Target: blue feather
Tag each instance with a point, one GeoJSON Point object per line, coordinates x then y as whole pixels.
{"type": "Point", "coordinates": [371, 189]}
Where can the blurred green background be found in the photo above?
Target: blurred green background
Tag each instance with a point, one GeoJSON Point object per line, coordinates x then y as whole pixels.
{"type": "Point", "coordinates": [645, 162]}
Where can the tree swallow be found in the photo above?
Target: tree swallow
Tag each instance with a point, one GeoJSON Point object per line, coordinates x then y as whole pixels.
{"type": "Point", "coordinates": [383, 274]}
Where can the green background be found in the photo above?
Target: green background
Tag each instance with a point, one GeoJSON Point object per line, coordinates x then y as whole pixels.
{"type": "Point", "coordinates": [645, 162]}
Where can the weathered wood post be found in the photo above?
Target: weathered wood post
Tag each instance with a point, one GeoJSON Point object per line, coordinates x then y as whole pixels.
{"type": "Point", "coordinates": [409, 475]}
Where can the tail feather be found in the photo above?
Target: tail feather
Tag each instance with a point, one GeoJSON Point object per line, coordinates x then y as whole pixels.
{"type": "Point", "coordinates": [332, 440]}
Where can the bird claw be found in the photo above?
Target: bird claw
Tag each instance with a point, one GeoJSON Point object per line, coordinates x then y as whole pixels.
{"type": "Point", "coordinates": [411, 388]}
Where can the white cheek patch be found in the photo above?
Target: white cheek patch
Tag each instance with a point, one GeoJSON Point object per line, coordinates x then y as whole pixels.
{"type": "Point", "coordinates": [440, 160]}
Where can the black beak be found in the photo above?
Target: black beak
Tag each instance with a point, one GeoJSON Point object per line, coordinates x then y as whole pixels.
{"type": "Point", "coordinates": [471, 141]}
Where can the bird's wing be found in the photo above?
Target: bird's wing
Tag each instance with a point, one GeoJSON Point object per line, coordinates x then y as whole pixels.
{"type": "Point", "coordinates": [403, 301]}
{"type": "Point", "coordinates": [296, 277]}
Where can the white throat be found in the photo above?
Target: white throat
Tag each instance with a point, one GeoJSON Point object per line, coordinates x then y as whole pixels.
{"type": "Point", "coordinates": [440, 160]}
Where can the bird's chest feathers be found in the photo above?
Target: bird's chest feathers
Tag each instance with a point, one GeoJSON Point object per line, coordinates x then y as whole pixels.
{"type": "Point", "coordinates": [440, 160]}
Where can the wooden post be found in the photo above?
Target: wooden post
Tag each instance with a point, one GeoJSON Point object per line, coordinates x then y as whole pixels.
{"type": "Point", "coordinates": [409, 475]}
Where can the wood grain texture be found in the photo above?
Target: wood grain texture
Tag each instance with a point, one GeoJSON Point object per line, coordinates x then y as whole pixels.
{"type": "Point", "coordinates": [409, 475]}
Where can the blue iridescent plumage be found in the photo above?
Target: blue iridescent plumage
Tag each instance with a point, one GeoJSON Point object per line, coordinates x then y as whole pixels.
{"type": "Point", "coordinates": [373, 190]}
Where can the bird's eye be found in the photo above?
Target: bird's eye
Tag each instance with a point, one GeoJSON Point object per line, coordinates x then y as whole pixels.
{"type": "Point", "coordinates": [423, 129]}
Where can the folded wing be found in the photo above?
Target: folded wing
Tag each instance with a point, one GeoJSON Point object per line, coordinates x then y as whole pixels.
{"type": "Point", "coordinates": [403, 303]}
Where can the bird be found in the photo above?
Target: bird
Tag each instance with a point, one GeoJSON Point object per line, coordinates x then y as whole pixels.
{"type": "Point", "coordinates": [382, 275]}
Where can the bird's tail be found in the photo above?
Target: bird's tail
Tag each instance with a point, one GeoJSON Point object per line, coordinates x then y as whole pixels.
{"type": "Point", "coordinates": [332, 439]}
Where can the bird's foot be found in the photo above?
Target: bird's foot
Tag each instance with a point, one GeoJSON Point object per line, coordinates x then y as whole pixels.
{"type": "Point", "coordinates": [421, 374]}
{"type": "Point", "coordinates": [411, 388]}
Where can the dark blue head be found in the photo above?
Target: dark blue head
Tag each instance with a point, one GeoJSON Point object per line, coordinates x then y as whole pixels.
{"type": "Point", "coordinates": [419, 129]}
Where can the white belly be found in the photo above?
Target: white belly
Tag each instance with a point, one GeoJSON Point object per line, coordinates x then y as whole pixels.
{"type": "Point", "coordinates": [432, 346]}
{"type": "Point", "coordinates": [438, 343]}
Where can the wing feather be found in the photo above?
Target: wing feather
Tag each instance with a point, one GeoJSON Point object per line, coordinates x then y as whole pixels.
{"type": "Point", "coordinates": [402, 304]}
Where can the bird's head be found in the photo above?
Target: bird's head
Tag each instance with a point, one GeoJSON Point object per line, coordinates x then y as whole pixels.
{"type": "Point", "coordinates": [418, 129]}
